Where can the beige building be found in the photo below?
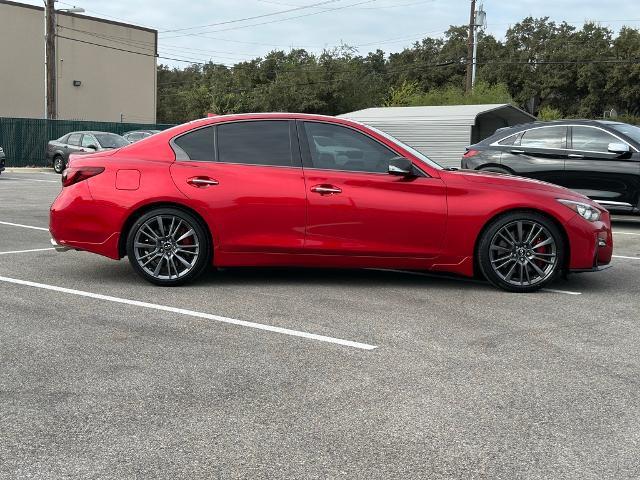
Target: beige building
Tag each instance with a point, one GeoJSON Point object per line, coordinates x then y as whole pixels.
{"type": "Point", "coordinates": [105, 70]}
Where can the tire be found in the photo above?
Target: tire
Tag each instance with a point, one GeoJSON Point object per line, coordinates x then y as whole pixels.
{"type": "Point", "coordinates": [521, 252]}
{"type": "Point", "coordinates": [496, 170]}
{"type": "Point", "coordinates": [168, 247]}
{"type": "Point", "coordinates": [58, 164]}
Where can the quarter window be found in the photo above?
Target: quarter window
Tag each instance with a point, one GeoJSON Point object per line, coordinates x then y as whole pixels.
{"type": "Point", "coordinates": [591, 139]}
{"type": "Point", "coordinates": [509, 140]}
{"type": "Point", "coordinates": [333, 147]}
{"type": "Point", "coordinates": [545, 137]}
{"type": "Point", "coordinates": [255, 143]}
{"type": "Point", "coordinates": [196, 145]}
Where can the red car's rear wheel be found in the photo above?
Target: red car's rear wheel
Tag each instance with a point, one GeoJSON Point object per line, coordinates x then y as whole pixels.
{"type": "Point", "coordinates": [168, 246]}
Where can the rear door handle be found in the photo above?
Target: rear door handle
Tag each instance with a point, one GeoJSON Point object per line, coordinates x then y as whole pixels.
{"type": "Point", "coordinates": [326, 189]}
{"type": "Point", "coordinates": [516, 151]}
{"type": "Point", "coordinates": [575, 155]}
{"type": "Point", "coordinates": [202, 182]}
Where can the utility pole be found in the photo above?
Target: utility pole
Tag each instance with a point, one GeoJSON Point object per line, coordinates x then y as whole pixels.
{"type": "Point", "coordinates": [50, 59]}
{"type": "Point", "coordinates": [480, 22]}
{"type": "Point", "coordinates": [470, 44]}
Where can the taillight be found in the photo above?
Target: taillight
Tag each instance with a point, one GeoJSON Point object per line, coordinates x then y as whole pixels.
{"type": "Point", "coordinates": [74, 175]}
{"type": "Point", "coordinates": [471, 153]}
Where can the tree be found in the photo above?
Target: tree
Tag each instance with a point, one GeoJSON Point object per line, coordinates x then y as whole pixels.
{"type": "Point", "coordinates": [541, 66]}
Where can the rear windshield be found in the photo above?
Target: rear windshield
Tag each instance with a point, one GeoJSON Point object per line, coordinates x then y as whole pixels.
{"type": "Point", "coordinates": [111, 140]}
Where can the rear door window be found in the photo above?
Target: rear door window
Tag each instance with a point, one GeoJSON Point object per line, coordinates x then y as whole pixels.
{"type": "Point", "coordinates": [88, 140]}
{"type": "Point", "coordinates": [545, 137]}
{"type": "Point", "coordinates": [74, 139]}
{"type": "Point", "coordinates": [265, 142]}
{"type": "Point", "coordinates": [198, 145]}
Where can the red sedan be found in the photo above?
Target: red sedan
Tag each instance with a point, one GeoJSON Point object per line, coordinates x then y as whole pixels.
{"type": "Point", "coordinates": [317, 191]}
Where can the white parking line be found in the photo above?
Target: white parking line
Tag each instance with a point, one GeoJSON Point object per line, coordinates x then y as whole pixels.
{"type": "Point", "coordinates": [28, 251]}
{"type": "Point", "coordinates": [191, 313]}
{"type": "Point", "coordinates": [24, 226]}
{"type": "Point", "coordinates": [566, 292]}
{"type": "Point", "coordinates": [628, 258]}
{"type": "Point", "coordinates": [626, 233]}
{"type": "Point", "coordinates": [29, 180]}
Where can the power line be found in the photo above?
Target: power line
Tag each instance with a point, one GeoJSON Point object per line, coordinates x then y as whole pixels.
{"type": "Point", "coordinates": [422, 2]}
{"type": "Point", "coordinates": [140, 43]}
{"type": "Point", "coordinates": [143, 44]}
{"type": "Point", "coordinates": [275, 21]}
{"type": "Point", "coordinates": [253, 17]}
{"type": "Point", "coordinates": [106, 46]}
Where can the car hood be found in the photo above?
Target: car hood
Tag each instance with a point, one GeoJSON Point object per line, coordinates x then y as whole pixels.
{"type": "Point", "coordinates": [512, 181]}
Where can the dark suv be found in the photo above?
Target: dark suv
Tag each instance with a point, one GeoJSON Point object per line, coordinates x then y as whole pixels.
{"type": "Point", "coordinates": [597, 158]}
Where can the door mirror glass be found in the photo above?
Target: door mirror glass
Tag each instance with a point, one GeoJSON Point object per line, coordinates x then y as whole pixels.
{"type": "Point", "coordinates": [619, 148]}
{"type": "Point", "coordinates": [401, 166]}
{"type": "Point", "coordinates": [92, 147]}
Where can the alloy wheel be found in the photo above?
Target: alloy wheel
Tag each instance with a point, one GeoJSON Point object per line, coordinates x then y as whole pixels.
{"type": "Point", "coordinates": [58, 165]}
{"type": "Point", "coordinates": [166, 247]}
{"type": "Point", "coordinates": [523, 253]}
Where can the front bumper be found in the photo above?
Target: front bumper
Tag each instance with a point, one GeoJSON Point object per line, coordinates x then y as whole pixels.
{"type": "Point", "coordinates": [590, 244]}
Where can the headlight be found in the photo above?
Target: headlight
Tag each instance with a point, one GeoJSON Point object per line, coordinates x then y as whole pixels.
{"type": "Point", "coordinates": [585, 210]}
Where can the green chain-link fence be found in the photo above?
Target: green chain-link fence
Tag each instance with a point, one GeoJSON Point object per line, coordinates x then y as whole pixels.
{"type": "Point", "coordinates": [25, 139]}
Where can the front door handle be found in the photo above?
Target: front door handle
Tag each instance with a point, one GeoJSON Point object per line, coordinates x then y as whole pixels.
{"type": "Point", "coordinates": [201, 182]}
{"type": "Point", "coordinates": [575, 155]}
{"type": "Point", "coordinates": [516, 151]}
{"type": "Point", "coordinates": [326, 189]}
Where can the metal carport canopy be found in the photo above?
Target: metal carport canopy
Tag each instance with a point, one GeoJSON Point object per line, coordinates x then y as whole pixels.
{"type": "Point", "coordinates": [441, 132]}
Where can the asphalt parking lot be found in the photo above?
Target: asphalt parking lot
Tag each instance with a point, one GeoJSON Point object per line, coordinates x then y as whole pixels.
{"type": "Point", "coordinates": [308, 374]}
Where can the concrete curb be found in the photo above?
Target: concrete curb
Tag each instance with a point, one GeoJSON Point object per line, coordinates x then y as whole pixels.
{"type": "Point", "coordinates": [29, 170]}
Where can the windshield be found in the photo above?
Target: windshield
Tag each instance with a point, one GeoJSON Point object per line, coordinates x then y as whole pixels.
{"type": "Point", "coordinates": [631, 131]}
{"type": "Point", "coordinates": [110, 140]}
{"type": "Point", "coordinates": [411, 150]}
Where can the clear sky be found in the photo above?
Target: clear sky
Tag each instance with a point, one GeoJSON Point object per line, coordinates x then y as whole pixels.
{"type": "Point", "coordinates": [389, 25]}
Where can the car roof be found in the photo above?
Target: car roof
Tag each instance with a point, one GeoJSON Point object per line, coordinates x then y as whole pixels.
{"type": "Point", "coordinates": [91, 132]}
{"type": "Point", "coordinates": [215, 119]}
{"type": "Point", "coordinates": [581, 121]}
{"type": "Point", "coordinates": [268, 115]}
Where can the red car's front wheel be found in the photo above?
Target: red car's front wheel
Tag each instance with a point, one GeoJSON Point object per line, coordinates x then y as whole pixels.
{"type": "Point", "coordinates": [168, 246]}
{"type": "Point", "coordinates": [521, 252]}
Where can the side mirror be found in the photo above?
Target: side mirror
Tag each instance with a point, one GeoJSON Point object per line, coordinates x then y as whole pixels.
{"type": "Point", "coordinates": [92, 147]}
{"type": "Point", "coordinates": [401, 167]}
{"type": "Point", "coordinates": [619, 148]}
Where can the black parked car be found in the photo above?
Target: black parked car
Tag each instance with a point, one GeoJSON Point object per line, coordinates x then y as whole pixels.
{"type": "Point", "coordinates": [600, 159]}
{"type": "Point", "coordinates": [58, 151]}
{"type": "Point", "coordinates": [138, 135]}
{"type": "Point", "coordinates": [2, 159]}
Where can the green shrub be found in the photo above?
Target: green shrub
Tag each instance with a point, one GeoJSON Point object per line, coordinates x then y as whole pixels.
{"type": "Point", "coordinates": [408, 94]}
{"type": "Point", "coordinates": [549, 113]}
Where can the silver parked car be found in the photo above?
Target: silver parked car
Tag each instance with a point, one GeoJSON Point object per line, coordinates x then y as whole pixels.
{"type": "Point", "coordinates": [58, 151]}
